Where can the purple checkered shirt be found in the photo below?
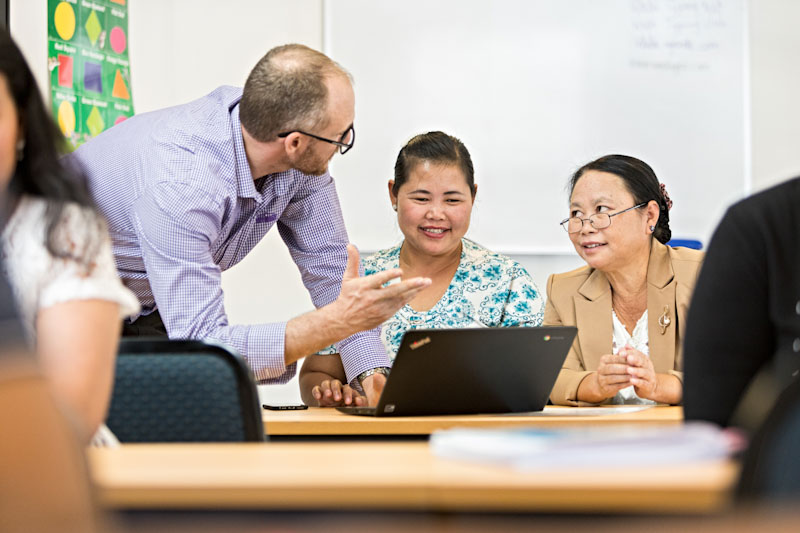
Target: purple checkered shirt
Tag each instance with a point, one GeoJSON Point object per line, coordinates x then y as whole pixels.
{"type": "Point", "coordinates": [182, 207]}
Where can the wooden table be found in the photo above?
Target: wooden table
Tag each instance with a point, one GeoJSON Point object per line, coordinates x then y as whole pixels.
{"type": "Point", "coordinates": [316, 421]}
{"type": "Point", "coordinates": [385, 476]}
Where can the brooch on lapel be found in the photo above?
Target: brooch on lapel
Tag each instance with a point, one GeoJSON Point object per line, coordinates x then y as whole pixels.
{"type": "Point", "coordinates": [664, 320]}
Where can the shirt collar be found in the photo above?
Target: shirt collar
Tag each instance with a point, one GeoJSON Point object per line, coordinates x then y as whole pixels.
{"type": "Point", "coordinates": [245, 182]}
{"type": "Point", "coordinates": [244, 178]}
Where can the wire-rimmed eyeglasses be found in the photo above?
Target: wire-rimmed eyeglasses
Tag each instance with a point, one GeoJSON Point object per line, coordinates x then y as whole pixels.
{"type": "Point", "coordinates": [345, 142]}
{"type": "Point", "coordinates": [597, 220]}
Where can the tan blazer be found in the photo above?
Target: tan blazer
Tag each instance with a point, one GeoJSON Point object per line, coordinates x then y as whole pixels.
{"type": "Point", "coordinates": [582, 298]}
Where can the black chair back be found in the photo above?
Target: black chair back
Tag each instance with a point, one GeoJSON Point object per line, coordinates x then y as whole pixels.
{"type": "Point", "coordinates": [771, 465]}
{"type": "Point", "coordinates": [183, 391]}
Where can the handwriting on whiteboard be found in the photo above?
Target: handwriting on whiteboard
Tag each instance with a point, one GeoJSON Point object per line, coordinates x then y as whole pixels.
{"type": "Point", "coordinates": [678, 35]}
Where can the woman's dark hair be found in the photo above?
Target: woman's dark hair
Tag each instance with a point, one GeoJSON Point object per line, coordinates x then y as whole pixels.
{"type": "Point", "coordinates": [641, 182]}
{"type": "Point", "coordinates": [436, 147]}
{"type": "Point", "coordinates": [39, 171]}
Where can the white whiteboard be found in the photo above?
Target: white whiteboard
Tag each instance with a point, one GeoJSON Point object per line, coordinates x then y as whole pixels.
{"type": "Point", "coordinates": [536, 88]}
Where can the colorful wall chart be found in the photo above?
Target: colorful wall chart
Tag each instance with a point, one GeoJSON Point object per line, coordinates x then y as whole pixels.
{"type": "Point", "coordinates": [90, 76]}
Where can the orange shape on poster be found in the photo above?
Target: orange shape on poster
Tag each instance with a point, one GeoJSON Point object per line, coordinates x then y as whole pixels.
{"type": "Point", "coordinates": [120, 90]}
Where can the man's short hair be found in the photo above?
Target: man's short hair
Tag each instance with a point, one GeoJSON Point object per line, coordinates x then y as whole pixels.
{"type": "Point", "coordinates": [286, 91]}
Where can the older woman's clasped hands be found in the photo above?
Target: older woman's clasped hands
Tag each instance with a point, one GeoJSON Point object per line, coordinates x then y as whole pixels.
{"type": "Point", "coordinates": [629, 367]}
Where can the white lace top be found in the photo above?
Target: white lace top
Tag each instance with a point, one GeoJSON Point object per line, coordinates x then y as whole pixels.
{"type": "Point", "coordinates": [639, 341]}
{"type": "Point", "coordinates": [40, 280]}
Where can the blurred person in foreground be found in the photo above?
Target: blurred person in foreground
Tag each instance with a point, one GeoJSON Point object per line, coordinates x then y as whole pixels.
{"type": "Point", "coordinates": [745, 317]}
{"type": "Point", "coordinates": [56, 253]}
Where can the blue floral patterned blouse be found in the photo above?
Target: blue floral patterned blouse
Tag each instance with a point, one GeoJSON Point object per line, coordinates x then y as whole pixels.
{"type": "Point", "coordinates": [488, 290]}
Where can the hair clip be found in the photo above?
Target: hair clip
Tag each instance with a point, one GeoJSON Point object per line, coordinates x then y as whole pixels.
{"type": "Point", "coordinates": [667, 199]}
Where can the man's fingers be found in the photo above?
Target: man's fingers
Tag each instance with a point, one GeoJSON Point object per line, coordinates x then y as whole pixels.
{"type": "Point", "coordinates": [405, 290]}
{"type": "Point", "coordinates": [351, 270]}
{"type": "Point", "coordinates": [377, 280]}
{"type": "Point", "coordinates": [316, 393]}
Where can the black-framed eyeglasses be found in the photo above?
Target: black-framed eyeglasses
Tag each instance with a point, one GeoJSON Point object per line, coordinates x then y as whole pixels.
{"type": "Point", "coordinates": [345, 142]}
{"type": "Point", "coordinates": [597, 220]}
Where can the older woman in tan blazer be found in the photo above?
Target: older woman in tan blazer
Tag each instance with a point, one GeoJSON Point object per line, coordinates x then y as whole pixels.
{"type": "Point", "coordinates": [630, 301]}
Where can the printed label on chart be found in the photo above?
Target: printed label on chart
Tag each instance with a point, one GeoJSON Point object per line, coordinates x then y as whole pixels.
{"type": "Point", "coordinates": [90, 77]}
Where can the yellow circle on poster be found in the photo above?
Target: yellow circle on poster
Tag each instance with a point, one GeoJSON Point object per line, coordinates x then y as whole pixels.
{"type": "Point", "coordinates": [66, 118]}
{"type": "Point", "coordinates": [65, 21]}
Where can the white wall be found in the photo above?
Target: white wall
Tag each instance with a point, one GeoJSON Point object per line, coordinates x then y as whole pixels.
{"type": "Point", "coordinates": [536, 88]}
{"type": "Point", "coordinates": [181, 49]}
{"type": "Point", "coordinates": [775, 86]}
{"type": "Point", "coordinates": [28, 23]}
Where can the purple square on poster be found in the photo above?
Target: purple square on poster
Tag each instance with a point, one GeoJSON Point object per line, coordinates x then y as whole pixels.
{"type": "Point", "coordinates": [92, 77]}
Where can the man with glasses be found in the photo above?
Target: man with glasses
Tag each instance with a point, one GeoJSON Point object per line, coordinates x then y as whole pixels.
{"type": "Point", "coordinates": [188, 192]}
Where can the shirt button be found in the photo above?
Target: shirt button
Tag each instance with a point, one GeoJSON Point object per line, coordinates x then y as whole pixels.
{"type": "Point", "coordinates": [797, 307]}
{"type": "Point", "coordinates": [796, 345]}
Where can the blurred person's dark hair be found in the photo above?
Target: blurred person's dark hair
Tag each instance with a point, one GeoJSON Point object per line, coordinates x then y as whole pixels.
{"type": "Point", "coordinates": [39, 172]}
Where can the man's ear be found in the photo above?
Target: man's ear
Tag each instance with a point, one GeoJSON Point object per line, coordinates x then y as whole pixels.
{"type": "Point", "coordinates": [294, 144]}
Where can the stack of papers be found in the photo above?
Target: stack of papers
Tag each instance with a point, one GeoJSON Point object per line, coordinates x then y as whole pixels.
{"type": "Point", "coordinates": [628, 445]}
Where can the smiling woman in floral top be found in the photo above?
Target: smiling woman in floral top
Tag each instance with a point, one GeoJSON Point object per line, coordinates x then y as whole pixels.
{"type": "Point", "coordinates": [433, 193]}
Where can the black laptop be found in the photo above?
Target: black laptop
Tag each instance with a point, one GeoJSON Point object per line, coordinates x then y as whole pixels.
{"type": "Point", "coordinates": [470, 371]}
